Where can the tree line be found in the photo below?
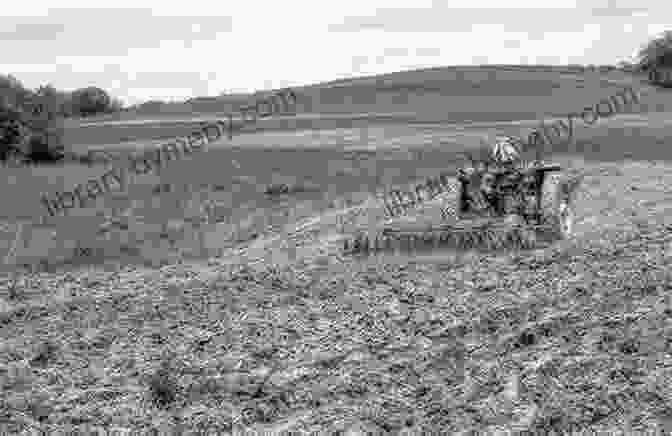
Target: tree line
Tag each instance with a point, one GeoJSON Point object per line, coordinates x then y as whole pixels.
{"type": "Point", "coordinates": [31, 121]}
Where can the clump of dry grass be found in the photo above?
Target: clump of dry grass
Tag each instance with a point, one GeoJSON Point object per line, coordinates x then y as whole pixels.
{"type": "Point", "coordinates": [163, 385]}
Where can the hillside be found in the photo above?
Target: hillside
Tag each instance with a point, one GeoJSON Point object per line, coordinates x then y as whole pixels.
{"type": "Point", "coordinates": [268, 326]}
{"type": "Point", "coordinates": [560, 338]}
{"type": "Point", "coordinates": [440, 95]}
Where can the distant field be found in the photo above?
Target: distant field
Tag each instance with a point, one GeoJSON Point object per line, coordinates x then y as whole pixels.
{"type": "Point", "coordinates": [342, 96]}
{"type": "Point", "coordinates": [437, 95]}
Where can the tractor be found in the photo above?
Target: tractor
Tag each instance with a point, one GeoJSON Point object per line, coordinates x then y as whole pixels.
{"type": "Point", "coordinates": [496, 202]}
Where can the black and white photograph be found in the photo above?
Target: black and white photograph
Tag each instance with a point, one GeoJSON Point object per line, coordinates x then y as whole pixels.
{"type": "Point", "coordinates": [377, 218]}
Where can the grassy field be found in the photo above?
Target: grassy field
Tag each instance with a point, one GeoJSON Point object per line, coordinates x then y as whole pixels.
{"type": "Point", "coordinates": [261, 323]}
{"type": "Point", "coordinates": [436, 95]}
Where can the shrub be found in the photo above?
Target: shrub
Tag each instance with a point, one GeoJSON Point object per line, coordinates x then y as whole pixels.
{"type": "Point", "coordinates": [40, 150]}
{"type": "Point", "coordinates": [163, 385]}
{"type": "Point", "coordinates": [656, 53]}
{"type": "Point", "coordinates": [12, 131]}
{"type": "Point", "coordinates": [30, 123]}
{"type": "Point", "coordinates": [90, 101]}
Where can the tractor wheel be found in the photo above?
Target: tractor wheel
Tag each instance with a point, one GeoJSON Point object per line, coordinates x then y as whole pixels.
{"type": "Point", "coordinates": [557, 203]}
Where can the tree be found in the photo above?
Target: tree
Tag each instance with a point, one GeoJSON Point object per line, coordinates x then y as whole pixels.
{"type": "Point", "coordinates": [12, 91]}
{"type": "Point", "coordinates": [57, 100]}
{"type": "Point", "coordinates": [45, 120]}
{"type": "Point", "coordinates": [90, 101]}
{"type": "Point", "coordinates": [116, 105]}
{"type": "Point", "coordinates": [656, 53]}
{"type": "Point", "coordinates": [30, 122]}
{"type": "Point", "coordinates": [12, 130]}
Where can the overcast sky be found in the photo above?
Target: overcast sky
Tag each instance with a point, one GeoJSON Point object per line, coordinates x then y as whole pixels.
{"type": "Point", "coordinates": [173, 50]}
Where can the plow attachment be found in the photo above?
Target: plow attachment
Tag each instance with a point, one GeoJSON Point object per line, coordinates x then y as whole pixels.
{"type": "Point", "coordinates": [483, 209]}
{"type": "Point", "coordinates": [485, 236]}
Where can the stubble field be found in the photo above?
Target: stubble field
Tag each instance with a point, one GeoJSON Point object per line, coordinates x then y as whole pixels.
{"type": "Point", "coordinates": [279, 332]}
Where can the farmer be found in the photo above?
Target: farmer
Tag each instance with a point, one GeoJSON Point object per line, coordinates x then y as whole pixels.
{"type": "Point", "coordinates": [503, 153]}
{"type": "Point", "coordinates": [505, 150]}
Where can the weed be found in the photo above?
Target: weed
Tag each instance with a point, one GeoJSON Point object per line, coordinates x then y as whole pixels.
{"type": "Point", "coordinates": [45, 354]}
{"type": "Point", "coordinates": [163, 385]}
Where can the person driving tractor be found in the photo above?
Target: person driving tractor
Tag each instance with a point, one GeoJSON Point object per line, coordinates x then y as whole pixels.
{"type": "Point", "coordinates": [504, 154]}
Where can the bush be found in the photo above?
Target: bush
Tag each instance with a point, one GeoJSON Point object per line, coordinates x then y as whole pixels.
{"type": "Point", "coordinates": [31, 122]}
{"type": "Point", "coordinates": [12, 131]}
{"type": "Point", "coordinates": [40, 150]}
{"type": "Point", "coordinates": [656, 53]}
{"type": "Point", "coordinates": [90, 101]}
{"type": "Point", "coordinates": [31, 130]}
